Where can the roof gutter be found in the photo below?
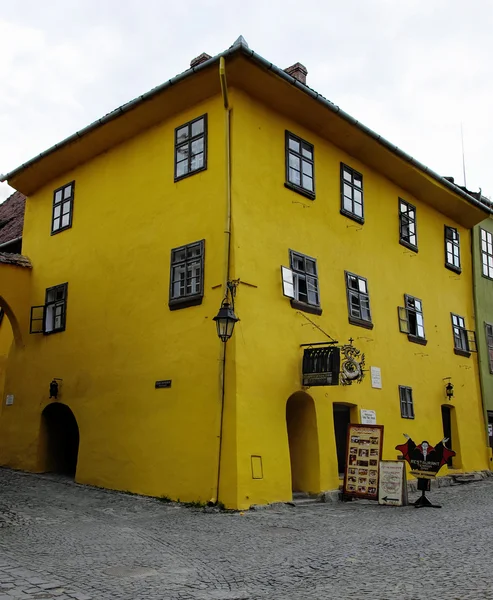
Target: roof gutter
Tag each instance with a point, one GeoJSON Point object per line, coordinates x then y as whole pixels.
{"type": "Point", "coordinates": [241, 46]}
{"type": "Point", "coordinates": [17, 239]}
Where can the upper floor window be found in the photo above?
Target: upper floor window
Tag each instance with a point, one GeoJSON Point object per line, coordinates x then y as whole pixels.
{"type": "Point", "coordinates": [464, 339]}
{"type": "Point", "coordinates": [63, 207]}
{"type": "Point", "coordinates": [187, 275]}
{"type": "Point", "coordinates": [191, 147]}
{"type": "Point", "coordinates": [358, 300]}
{"type": "Point", "coordinates": [406, 401]}
{"type": "Point", "coordinates": [50, 317]}
{"type": "Point", "coordinates": [352, 193]}
{"type": "Point", "coordinates": [407, 225]}
{"type": "Point", "coordinates": [452, 249]}
{"type": "Point", "coordinates": [300, 283]}
{"type": "Point", "coordinates": [489, 344]}
{"type": "Point", "coordinates": [300, 174]}
{"type": "Point", "coordinates": [487, 253]}
{"type": "Point", "coordinates": [411, 319]}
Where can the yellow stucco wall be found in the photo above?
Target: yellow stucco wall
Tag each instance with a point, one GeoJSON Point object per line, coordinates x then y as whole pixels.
{"type": "Point", "coordinates": [269, 220]}
{"type": "Point", "coordinates": [120, 334]}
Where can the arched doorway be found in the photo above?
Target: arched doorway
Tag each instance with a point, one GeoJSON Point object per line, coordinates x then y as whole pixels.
{"type": "Point", "coordinates": [59, 439]}
{"type": "Point", "coordinates": [301, 421]}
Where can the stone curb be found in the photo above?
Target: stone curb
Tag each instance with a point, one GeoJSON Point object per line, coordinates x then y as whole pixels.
{"type": "Point", "coordinates": [334, 496]}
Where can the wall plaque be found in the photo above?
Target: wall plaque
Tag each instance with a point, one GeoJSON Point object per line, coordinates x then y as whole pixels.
{"type": "Point", "coordinates": [164, 383]}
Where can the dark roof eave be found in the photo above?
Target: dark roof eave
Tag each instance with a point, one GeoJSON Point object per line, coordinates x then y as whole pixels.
{"type": "Point", "coordinates": [240, 46]}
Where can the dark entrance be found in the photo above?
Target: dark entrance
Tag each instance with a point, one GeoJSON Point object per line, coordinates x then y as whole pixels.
{"type": "Point", "coordinates": [60, 438]}
{"type": "Point", "coordinates": [447, 429]}
{"type": "Point", "coordinates": [342, 419]}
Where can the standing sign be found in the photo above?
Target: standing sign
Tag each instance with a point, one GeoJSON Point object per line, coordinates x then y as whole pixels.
{"type": "Point", "coordinates": [364, 451]}
{"type": "Point", "coordinates": [393, 488]}
{"type": "Point", "coordinates": [425, 460]}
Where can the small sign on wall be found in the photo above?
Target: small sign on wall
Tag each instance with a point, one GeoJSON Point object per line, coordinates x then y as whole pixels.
{"type": "Point", "coordinates": [9, 400]}
{"type": "Point", "coordinates": [164, 383]}
{"type": "Point", "coordinates": [376, 377]}
{"type": "Point", "coordinates": [368, 417]}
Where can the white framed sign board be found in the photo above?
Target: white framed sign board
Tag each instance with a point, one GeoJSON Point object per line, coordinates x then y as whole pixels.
{"type": "Point", "coordinates": [392, 488]}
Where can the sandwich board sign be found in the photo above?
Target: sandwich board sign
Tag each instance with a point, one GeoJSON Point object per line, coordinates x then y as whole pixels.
{"type": "Point", "coordinates": [392, 489]}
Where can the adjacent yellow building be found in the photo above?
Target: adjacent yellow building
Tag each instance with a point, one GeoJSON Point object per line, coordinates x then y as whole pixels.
{"type": "Point", "coordinates": [134, 227]}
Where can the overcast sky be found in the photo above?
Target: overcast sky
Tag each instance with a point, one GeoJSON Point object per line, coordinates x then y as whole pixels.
{"type": "Point", "coordinates": [412, 70]}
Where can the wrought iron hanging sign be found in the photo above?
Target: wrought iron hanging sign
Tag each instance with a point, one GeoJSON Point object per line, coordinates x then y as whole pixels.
{"type": "Point", "coordinates": [321, 366]}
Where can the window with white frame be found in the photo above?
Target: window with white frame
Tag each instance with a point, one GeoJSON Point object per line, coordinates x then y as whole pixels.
{"type": "Point", "coordinates": [352, 193]}
{"type": "Point", "coordinates": [51, 316]}
{"type": "Point", "coordinates": [300, 174]}
{"type": "Point", "coordinates": [452, 249]}
{"type": "Point", "coordinates": [63, 207]}
{"type": "Point", "coordinates": [464, 339]}
{"type": "Point", "coordinates": [487, 253]}
{"type": "Point", "coordinates": [411, 319]}
{"type": "Point", "coordinates": [407, 225]}
{"type": "Point", "coordinates": [358, 300]}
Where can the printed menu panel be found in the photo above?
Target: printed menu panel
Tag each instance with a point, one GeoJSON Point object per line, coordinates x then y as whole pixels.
{"type": "Point", "coordinates": [364, 451]}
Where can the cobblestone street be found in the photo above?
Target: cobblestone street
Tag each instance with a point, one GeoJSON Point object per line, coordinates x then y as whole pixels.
{"type": "Point", "coordinates": [60, 540]}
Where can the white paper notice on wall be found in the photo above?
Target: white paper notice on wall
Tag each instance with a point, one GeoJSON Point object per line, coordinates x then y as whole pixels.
{"type": "Point", "coordinates": [376, 377]}
{"type": "Point", "coordinates": [368, 417]}
{"type": "Point", "coordinates": [9, 400]}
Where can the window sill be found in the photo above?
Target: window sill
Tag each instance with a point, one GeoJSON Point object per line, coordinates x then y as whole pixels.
{"type": "Point", "coordinates": [54, 331]}
{"type": "Point", "coordinates": [204, 168]}
{"type": "Point", "coordinates": [185, 302]}
{"type": "Point", "coordinates": [453, 268]}
{"type": "Point", "coordinates": [352, 216]}
{"type": "Point", "coordinates": [308, 308]}
{"type": "Point", "coordinates": [404, 417]}
{"type": "Point", "coordinates": [360, 323]}
{"type": "Point", "coordinates": [461, 352]}
{"type": "Point", "coordinates": [62, 229]}
{"type": "Point", "coordinates": [417, 340]}
{"type": "Point", "coordinates": [408, 246]}
{"type": "Point", "coordinates": [299, 190]}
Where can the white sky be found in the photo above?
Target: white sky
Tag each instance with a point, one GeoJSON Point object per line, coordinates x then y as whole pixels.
{"type": "Point", "coordinates": [412, 70]}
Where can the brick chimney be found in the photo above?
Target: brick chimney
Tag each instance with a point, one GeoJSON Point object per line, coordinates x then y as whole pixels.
{"type": "Point", "coordinates": [198, 60]}
{"type": "Point", "coordinates": [298, 71]}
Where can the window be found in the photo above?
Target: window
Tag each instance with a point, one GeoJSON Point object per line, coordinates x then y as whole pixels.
{"type": "Point", "coordinates": [63, 207]}
{"type": "Point", "coordinates": [411, 319]}
{"type": "Point", "coordinates": [187, 275]}
{"type": "Point", "coordinates": [191, 147]}
{"type": "Point", "coordinates": [51, 316]}
{"type": "Point", "coordinates": [300, 175]}
{"type": "Point", "coordinates": [406, 399]}
{"type": "Point", "coordinates": [452, 249]}
{"type": "Point", "coordinates": [300, 283]}
{"type": "Point", "coordinates": [464, 340]}
{"type": "Point", "coordinates": [352, 193]}
{"type": "Point", "coordinates": [358, 301]}
{"type": "Point", "coordinates": [407, 225]}
{"type": "Point", "coordinates": [489, 344]}
{"type": "Point", "coordinates": [487, 253]}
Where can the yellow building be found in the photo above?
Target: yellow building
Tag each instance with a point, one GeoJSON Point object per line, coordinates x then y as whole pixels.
{"type": "Point", "coordinates": [135, 225]}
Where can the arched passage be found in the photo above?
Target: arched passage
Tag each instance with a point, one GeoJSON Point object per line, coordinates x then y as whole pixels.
{"type": "Point", "coordinates": [59, 440]}
{"type": "Point", "coordinates": [301, 421]}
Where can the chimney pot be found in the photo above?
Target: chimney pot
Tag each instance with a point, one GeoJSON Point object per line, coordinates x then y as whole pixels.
{"type": "Point", "coordinates": [198, 60]}
{"type": "Point", "coordinates": [298, 71]}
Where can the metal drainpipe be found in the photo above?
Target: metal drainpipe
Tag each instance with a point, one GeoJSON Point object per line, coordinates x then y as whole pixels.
{"type": "Point", "coordinates": [227, 259]}
{"type": "Point", "coordinates": [475, 266]}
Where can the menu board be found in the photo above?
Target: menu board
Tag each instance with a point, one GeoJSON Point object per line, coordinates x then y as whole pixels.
{"type": "Point", "coordinates": [364, 451]}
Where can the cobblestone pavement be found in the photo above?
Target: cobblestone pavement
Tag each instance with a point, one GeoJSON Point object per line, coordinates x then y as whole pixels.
{"type": "Point", "coordinates": [60, 540]}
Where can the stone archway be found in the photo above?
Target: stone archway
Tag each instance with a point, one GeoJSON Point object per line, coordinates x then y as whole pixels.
{"type": "Point", "coordinates": [301, 421]}
{"type": "Point", "coordinates": [59, 440]}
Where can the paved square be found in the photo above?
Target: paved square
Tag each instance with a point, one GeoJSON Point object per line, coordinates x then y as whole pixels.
{"type": "Point", "coordinates": [60, 540]}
